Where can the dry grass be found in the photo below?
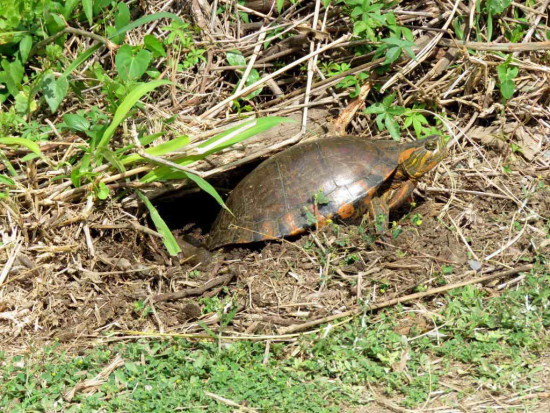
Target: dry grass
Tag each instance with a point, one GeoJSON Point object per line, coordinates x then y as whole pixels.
{"type": "Point", "coordinates": [73, 268]}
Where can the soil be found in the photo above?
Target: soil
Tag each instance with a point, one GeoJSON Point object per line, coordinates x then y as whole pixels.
{"type": "Point", "coordinates": [102, 283]}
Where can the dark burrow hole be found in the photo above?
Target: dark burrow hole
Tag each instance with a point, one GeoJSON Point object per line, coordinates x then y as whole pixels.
{"type": "Point", "coordinates": [193, 211]}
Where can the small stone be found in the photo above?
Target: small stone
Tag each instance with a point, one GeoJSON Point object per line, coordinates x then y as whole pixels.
{"type": "Point", "coordinates": [474, 265]}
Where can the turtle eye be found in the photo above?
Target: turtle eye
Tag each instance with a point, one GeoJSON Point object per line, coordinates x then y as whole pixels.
{"type": "Point", "coordinates": [430, 145]}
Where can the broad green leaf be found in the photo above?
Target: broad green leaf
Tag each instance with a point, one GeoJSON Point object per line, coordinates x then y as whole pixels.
{"type": "Point", "coordinates": [7, 37]}
{"type": "Point", "coordinates": [21, 103]}
{"type": "Point", "coordinates": [497, 6]}
{"type": "Point", "coordinates": [13, 75]}
{"type": "Point", "coordinates": [30, 145]}
{"type": "Point", "coordinates": [129, 101]}
{"type": "Point", "coordinates": [154, 45]}
{"type": "Point", "coordinates": [167, 237]}
{"type": "Point", "coordinates": [398, 42]}
{"type": "Point", "coordinates": [507, 88]}
{"type": "Point", "coordinates": [380, 121]}
{"type": "Point", "coordinates": [501, 71]}
{"type": "Point", "coordinates": [54, 90]}
{"type": "Point", "coordinates": [388, 100]}
{"type": "Point", "coordinates": [80, 170]}
{"type": "Point", "coordinates": [132, 368]}
{"type": "Point", "coordinates": [25, 46]}
{"type": "Point", "coordinates": [375, 108]}
{"type": "Point", "coordinates": [76, 122]}
{"type": "Point", "coordinates": [102, 191]}
{"type": "Point", "coordinates": [252, 78]}
{"type": "Point", "coordinates": [393, 128]}
{"type": "Point", "coordinates": [417, 125]}
{"type": "Point", "coordinates": [55, 23]}
{"type": "Point", "coordinates": [235, 58]}
{"type": "Point", "coordinates": [69, 7]}
{"type": "Point", "coordinates": [130, 65]}
{"type": "Point", "coordinates": [136, 23]}
{"type": "Point", "coordinates": [88, 7]}
{"type": "Point", "coordinates": [122, 18]}
{"type": "Point", "coordinates": [506, 76]}
{"type": "Point", "coordinates": [392, 54]}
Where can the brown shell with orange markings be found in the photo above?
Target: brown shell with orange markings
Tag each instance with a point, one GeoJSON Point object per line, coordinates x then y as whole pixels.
{"type": "Point", "coordinates": [278, 198]}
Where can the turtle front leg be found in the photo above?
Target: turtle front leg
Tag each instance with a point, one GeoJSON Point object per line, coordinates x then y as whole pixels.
{"type": "Point", "coordinates": [401, 194]}
{"type": "Point", "coordinates": [379, 212]}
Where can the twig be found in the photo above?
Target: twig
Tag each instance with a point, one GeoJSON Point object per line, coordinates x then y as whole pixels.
{"type": "Point", "coordinates": [406, 298]}
{"type": "Point", "coordinates": [251, 61]}
{"type": "Point", "coordinates": [423, 54]}
{"type": "Point", "coordinates": [7, 267]}
{"type": "Point", "coordinates": [463, 238]}
{"type": "Point", "coordinates": [229, 402]}
{"type": "Point", "coordinates": [534, 24]}
{"type": "Point", "coordinates": [92, 384]}
{"type": "Point", "coordinates": [250, 88]}
{"type": "Point", "coordinates": [109, 44]}
{"type": "Point", "coordinates": [466, 192]}
{"type": "Point", "coordinates": [214, 282]}
{"type": "Point", "coordinates": [496, 47]}
{"type": "Point", "coordinates": [310, 66]}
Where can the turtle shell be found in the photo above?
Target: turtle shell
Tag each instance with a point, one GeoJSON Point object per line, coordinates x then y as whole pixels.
{"type": "Point", "coordinates": [333, 177]}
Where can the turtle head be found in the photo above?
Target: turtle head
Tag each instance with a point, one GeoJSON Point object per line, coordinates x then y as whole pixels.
{"type": "Point", "coordinates": [422, 156]}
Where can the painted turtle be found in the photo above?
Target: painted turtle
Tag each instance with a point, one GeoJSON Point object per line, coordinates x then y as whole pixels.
{"type": "Point", "coordinates": [339, 177]}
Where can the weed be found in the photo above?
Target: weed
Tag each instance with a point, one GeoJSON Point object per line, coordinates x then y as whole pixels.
{"type": "Point", "coordinates": [492, 335]}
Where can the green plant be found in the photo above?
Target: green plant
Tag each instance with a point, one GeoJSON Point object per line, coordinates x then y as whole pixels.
{"type": "Point", "coordinates": [492, 8]}
{"type": "Point", "coordinates": [372, 22]}
{"type": "Point", "coordinates": [368, 16]}
{"type": "Point", "coordinates": [416, 219]}
{"type": "Point", "coordinates": [355, 82]}
{"type": "Point", "coordinates": [386, 114]}
{"type": "Point", "coordinates": [141, 309]}
{"type": "Point", "coordinates": [506, 75]}
{"type": "Point", "coordinates": [180, 39]}
{"type": "Point", "coordinates": [490, 339]}
{"type": "Point", "coordinates": [235, 58]}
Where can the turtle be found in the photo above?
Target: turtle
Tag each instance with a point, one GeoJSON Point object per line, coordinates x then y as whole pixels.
{"type": "Point", "coordinates": [333, 178]}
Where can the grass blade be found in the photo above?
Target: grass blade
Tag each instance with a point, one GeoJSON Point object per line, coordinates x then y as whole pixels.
{"type": "Point", "coordinates": [81, 59]}
{"type": "Point", "coordinates": [30, 145]}
{"type": "Point", "coordinates": [144, 20]}
{"type": "Point", "coordinates": [167, 237]}
{"type": "Point", "coordinates": [206, 187]}
{"type": "Point", "coordinates": [215, 144]}
{"type": "Point", "coordinates": [240, 133]}
{"type": "Point", "coordinates": [159, 150]}
{"type": "Point", "coordinates": [127, 104]}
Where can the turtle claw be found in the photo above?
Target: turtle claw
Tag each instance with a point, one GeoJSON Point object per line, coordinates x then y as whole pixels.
{"type": "Point", "coordinates": [193, 254]}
